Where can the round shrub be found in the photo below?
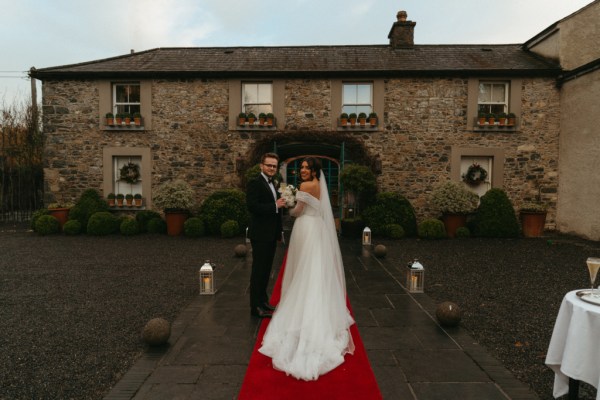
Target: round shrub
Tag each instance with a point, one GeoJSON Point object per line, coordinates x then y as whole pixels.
{"type": "Point", "coordinates": [394, 231]}
{"type": "Point", "coordinates": [432, 229]}
{"type": "Point", "coordinates": [129, 227]}
{"type": "Point", "coordinates": [156, 225]}
{"type": "Point", "coordinates": [193, 227]}
{"type": "Point", "coordinates": [36, 215]}
{"type": "Point", "coordinates": [390, 208]}
{"type": "Point", "coordinates": [224, 205]}
{"type": "Point", "coordinates": [143, 217]}
{"type": "Point", "coordinates": [496, 216]}
{"type": "Point", "coordinates": [88, 204]}
{"type": "Point", "coordinates": [462, 232]}
{"type": "Point", "coordinates": [72, 227]}
{"type": "Point", "coordinates": [360, 180]}
{"type": "Point", "coordinates": [229, 229]}
{"type": "Point", "coordinates": [102, 223]}
{"type": "Point", "coordinates": [47, 225]}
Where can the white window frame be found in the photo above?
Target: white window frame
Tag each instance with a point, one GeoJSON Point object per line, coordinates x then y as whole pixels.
{"type": "Point", "coordinates": [123, 187]}
{"type": "Point", "coordinates": [487, 106]}
{"type": "Point", "coordinates": [356, 106]}
{"type": "Point", "coordinates": [126, 106]}
{"type": "Point", "coordinates": [262, 104]}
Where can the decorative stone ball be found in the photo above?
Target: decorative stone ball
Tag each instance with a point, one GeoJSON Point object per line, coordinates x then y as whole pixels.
{"type": "Point", "coordinates": [448, 314]}
{"type": "Point", "coordinates": [380, 251]}
{"type": "Point", "coordinates": [156, 332]}
{"type": "Point", "coordinates": [240, 250]}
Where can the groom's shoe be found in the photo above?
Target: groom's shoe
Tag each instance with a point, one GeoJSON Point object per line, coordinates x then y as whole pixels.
{"type": "Point", "coordinates": [268, 307]}
{"type": "Point", "coordinates": [261, 312]}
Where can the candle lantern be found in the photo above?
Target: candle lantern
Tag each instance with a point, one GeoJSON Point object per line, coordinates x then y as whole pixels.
{"type": "Point", "coordinates": [247, 238]}
{"type": "Point", "coordinates": [366, 236]}
{"type": "Point", "coordinates": [415, 277]}
{"type": "Point", "coordinates": [207, 278]}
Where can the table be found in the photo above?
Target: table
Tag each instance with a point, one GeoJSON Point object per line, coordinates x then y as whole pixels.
{"type": "Point", "coordinates": [574, 350]}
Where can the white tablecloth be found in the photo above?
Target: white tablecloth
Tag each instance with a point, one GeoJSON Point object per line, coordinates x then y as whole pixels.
{"type": "Point", "coordinates": [574, 349]}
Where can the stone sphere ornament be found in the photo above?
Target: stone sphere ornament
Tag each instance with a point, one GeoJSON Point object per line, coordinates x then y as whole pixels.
{"type": "Point", "coordinates": [240, 250]}
{"type": "Point", "coordinates": [156, 332]}
{"type": "Point", "coordinates": [448, 314]}
{"type": "Point", "coordinates": [380, 251]}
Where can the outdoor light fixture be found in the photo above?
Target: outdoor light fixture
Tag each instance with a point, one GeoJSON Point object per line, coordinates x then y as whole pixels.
{"type": "Point", "coordinates": [366, 237]}
{"type": "Point", "coordinates": [247, 238]}
{"type": "Point", "coordinates": [207, 278]}
{"type": "Point", "coordinates": [415, 277]}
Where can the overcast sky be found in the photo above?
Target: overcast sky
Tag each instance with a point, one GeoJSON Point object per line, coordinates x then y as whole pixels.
{"type": "Point", "coordinates": [47, 33]}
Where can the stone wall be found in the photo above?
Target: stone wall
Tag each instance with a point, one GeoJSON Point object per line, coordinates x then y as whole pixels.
{"type": "Point", "coordinates": [189, 139]}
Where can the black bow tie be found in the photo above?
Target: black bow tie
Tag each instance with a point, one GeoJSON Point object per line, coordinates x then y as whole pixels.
{"type": "Point", "coordinates": [270, 180]}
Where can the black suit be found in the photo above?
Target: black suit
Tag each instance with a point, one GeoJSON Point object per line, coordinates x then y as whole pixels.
{"type": "Point", "coordinates": [264, 231]}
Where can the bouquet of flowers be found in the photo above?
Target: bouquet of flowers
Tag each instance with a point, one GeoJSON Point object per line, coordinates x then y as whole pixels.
{"type": "Point", "coordinates": [288, 192]}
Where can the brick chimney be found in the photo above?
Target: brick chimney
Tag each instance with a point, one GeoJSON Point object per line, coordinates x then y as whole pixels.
{"type": "Point", "coordinates": [402, 32]}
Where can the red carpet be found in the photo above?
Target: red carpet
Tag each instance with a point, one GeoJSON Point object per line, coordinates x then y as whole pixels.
{"type": "Point", "coordinates": [353, 379]}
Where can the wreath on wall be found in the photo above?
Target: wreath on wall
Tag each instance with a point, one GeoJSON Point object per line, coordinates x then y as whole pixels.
{"type": "Point", "coordinates": [475, 175]}
{"type": "Point", "coordinates": [130, 173]}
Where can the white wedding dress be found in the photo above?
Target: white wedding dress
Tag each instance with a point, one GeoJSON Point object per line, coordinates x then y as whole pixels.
{"type": "Point", "coordinates": [309, 334]}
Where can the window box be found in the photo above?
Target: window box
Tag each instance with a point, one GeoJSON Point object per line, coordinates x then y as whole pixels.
{"type": "Point", "coordinates": [496, 126]}
{"type": "Point", "coordinates": [356, 127]}
{"type": "Point", "coordinates": [267, 124]}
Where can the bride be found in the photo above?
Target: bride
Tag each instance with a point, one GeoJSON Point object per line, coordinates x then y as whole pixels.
{"type": "Point", "coordinates": [309, 333]}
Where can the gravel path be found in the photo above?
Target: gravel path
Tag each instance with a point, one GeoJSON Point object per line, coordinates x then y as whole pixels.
{"type": "Point", "coordinates": [72, 308]}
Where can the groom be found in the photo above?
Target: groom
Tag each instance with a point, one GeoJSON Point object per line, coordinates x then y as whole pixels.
{"type": "Point", "coordinates": [264, 231]}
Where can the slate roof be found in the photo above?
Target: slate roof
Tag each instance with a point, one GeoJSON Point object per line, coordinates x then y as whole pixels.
{"type": "Point", "coordinates": [298, 61]}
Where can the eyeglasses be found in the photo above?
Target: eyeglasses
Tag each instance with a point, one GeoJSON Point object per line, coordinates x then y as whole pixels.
{"type": "Point", "coordinates": [270, 165]}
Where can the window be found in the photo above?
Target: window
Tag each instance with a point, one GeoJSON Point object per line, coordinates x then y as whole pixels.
{"type": "Point", "coordinates": [257, 98]}
{"type": "Point", "coordinates": [126, 98]}
{"type": "Point", "coordinates": [357, 98]}
{"type": "Point", "coordinates": [121, 186]}
{"type": "Point", "coordinates": [493, 97]}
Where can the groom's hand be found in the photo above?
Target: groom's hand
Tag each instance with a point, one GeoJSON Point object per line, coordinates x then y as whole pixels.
{"type": "Point", "coordinates": [280, 203]}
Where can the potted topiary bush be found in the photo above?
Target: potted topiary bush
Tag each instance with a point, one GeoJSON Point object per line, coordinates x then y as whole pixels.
{"type": "Point", "coordinates": [454, 201]}
{"type": "Point", "coordinates": [270, 119]}
{"type": "Point", "coordinates": [137, 119]}
{"type": "Point", "coordinates": [495, 216]}
{"type": "Point", "coordinates": [129, 199]}
{"type": "Point", "coordinates": [362, 119]}
{"type": "Point", "coordinates": [373, 119]}
{"type": "Point", "coordinates": [343, 119]}
{"type": "Point", "coordinates": [352, 118]}
{"type": "Point", "coordinates": [60, 211]}
{"type": "Point", "coordinates": [120, 198]}
{"type": "Point", "coordinates": [533, 218]}
{"type": "Point", "coordinates": [175, 198]}
{"type": "Point", "coordinates": [110, 118]}
{"type": "Point", "coordinates": [241, 118]}
{"type": "Point", "coordinates": [111, 199]}
{"type": "Point", "coordinates": [137, 198]}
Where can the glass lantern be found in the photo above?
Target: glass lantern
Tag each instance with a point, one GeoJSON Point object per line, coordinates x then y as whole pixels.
{"type": "Point", "coordinates": [415, 277]}
{"type": "Point", "coordinates": [207, 278]}
{"type": "Point", "coordinates": [366, 237]}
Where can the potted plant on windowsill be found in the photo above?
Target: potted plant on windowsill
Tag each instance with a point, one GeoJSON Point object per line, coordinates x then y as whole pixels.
{"type": "Point", "coordinates": [175, 198]}
{"type": "Point", "coordinates": [110, 119]}
{"type": "Point", "coordinates": [362, 119]}
{"type": "Point", "coordinates": [118, 118]}
{"type": "Point", "coordinates": [343, 119]}
{"type": "Point", "coordinates": [137, 119]}
{"type": "Point", "coordinates": [481, 118]}
{"type": "Point", "coordinates": [129, 199]}
{"type": "Point", "coordinates": [502, 118]}
{"type": "Point", "coordinates": [270, 119]}
{"type": "Point", "coordinates": [262, 117]}
{"type": "Point", "coordinates": [137, 199]}
{"type": "Point", "coordinates": [241, 119]}
{"type": "Point", "coordinates": [511, 117]}
{"type": "Point", "coordinates": [491, 118]}
{"type": "Point", "coordinates": [533, 218]}
{"type": "Point", "coordinates": [127, 118]}
{"type": "Point", "coordinates": [251, 118]}
{"type": "Point", "coordinates": [352, 118]}
{"type": "Point", "coordinates": [373, 119]}
{"type": "Point", "coordinates": [455, 202]}
{"type": "Point", "coordinates": [120, 198]}
{"type": "Point", "coordinates": [111, 199]}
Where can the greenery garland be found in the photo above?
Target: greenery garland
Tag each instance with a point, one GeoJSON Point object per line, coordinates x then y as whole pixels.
{"type": "Point", "coordinates": [475, 175]}
{"type": "Point", "coordinates": [130, 173]}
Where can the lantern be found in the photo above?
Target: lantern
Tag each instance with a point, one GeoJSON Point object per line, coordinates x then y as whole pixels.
{"type": "Point", "coordinates": [207, 278]}
{"type": "Point", "coordinates": [247, 238]}
{"type": "Point", "coordinates": [366, 236]}
{"type": "Point", "coordinates": [415, 277]}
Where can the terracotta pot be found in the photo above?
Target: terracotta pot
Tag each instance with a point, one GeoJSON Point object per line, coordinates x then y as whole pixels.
{"type": "Point", "coordinates": [362, 121]}
{"type": "Point", "coordinates": [137, 121]}
{"type": "Point", "coordinates": [533, 223]}
{"type": "Point", "coordinates": [110, 121]}
{"type": "Point", "coordinates": [175, 221]}
{"type": "Point", "coordinates": [111, 202]}
{"type": "Point", "coordinates": [138, 202]}
{"type": "Point", "coordinates": [343, 121]}
{"type": "Point", "coordinates": [452, 222]}
{"type": "Point", "coordinates": [129, 202]}
{"type": "Point", "coordinates": [61, 214]}
{"type": "Point", "coordinates": [373, 121]}
{"type": "Point", "coordinates": [120, 202]}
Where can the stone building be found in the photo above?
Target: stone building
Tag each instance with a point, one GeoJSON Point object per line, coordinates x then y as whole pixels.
{"type": "Point", "coordinates": [427, 99]}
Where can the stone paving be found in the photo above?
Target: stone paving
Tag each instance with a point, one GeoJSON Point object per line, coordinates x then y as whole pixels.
{"type": "Point", "coordinates": [411, 355]}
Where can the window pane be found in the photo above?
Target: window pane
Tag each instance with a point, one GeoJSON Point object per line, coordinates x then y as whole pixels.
{"type": "Point", "coordinates": [498, 93]}
{"type": "Point", "coordinates": [250, 93]}
{"type": "Point", "coordinates": [121, 93]}
{"type": "Point", "coordinates": [264, 93]}
{"type": "Point", "coordinates": [485, 94]}
{"type": "Point", "coordinates": [349, 94]}
{"type": "Point", "coordinates": [134, 94]}
{"type": "Point", "coordinates": [365, 109]}
{"type": "Point", "coordinates": [363, 95]}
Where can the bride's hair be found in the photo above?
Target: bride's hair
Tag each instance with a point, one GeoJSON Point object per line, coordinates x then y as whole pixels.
{"type": "Point", "coordinates": [314, 165]}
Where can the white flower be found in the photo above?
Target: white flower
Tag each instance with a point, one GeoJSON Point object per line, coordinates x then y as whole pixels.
{"type": "Point", "coordinates": [289, 194]}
